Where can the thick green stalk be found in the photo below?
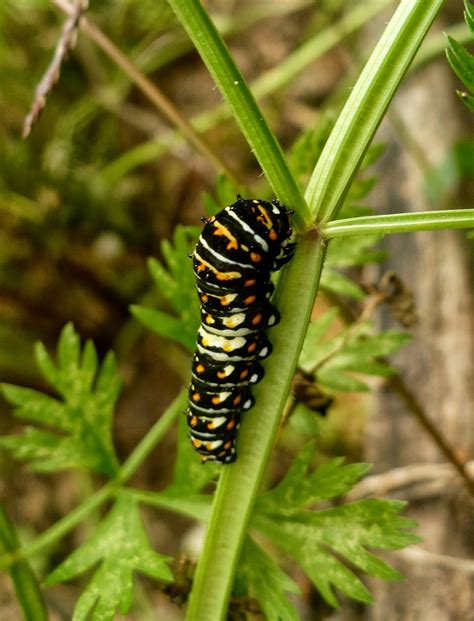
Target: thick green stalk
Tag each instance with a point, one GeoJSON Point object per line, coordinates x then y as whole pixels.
{"type": "Point", "coordinates": [240, 482]}
{"type": "Point", "coordinates": [231, 83]}
{"type": "Point", "coordinates": [366, 106]}
{"type": "Point", "coordinates": [399, 223]}
{"type": "Point", "coordinates": [24, 580]}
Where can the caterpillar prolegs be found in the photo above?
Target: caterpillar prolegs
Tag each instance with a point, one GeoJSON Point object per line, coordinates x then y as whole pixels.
{"type": "Point", "coordinates": [236, 253]}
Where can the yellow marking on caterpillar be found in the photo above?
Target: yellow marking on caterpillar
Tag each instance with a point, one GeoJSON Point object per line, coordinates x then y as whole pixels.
{"type": "Point", "coordinates": [219, 275]}
{"type": "Point", "coordinates": [264, 218]}
{"type": "Point", "coordinates": [221, 230]}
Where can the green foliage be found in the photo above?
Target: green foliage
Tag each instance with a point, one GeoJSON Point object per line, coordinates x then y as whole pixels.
{"type": "Point", "coordinates": [175, 281]}
{"type": "Point", "coordinates": [323, 541]}
{"type": "Point", "coordinates": [354, 349]}
{"type": "Point", "coordinates": [349, 252]}
{"type": "Point", "coordinates": [226, 193]}
{"type": "Point", "coordinates": [260, 576]}
{"type": "Point", "coordinates": [81, 419]}
{"type": "Point", "coordinates": [121, 546]}
{"type": "Point", "coordinates": [461, 61]}
{"type": "Point", "coordinates": [299, 489]}
{"type": "Point", "coordinates": [190, 475]}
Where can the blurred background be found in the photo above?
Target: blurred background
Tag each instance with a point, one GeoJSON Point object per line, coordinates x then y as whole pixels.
{"type": "Point", "coordinates": [104, 178]}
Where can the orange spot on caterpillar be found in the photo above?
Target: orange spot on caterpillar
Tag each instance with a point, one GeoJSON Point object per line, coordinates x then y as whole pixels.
{"type": "Point", "coordinates": [200, 368]}
{"type": "Point", "coordinates": [196, 396]}
{"type": "Point", "coordinates": [216, 400]}
{"type": "Point", "coordinates": [257, 319]}
{"type": "Point", "coordinates": [237, 400]}
{"type": "Point", "coordinates": [255, 257]}
{"type": "Point", "coordinates": [252, 347]}
{"type": "Point", "coordinates": [250, 283]}
{"type": "Point", "coordinates": [272, 234]}
{"type": "Point", "coordinates": [244, 374]}
{"type": "Point", "coordinates": [250, 299]}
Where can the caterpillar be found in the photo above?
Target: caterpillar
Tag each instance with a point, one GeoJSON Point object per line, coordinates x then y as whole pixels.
{"type": "Point", "coordinates": [236, 253]}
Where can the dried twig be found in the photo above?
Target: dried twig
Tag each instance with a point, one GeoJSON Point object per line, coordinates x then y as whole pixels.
{"type": "Point", "coordinates": [398, 384]}
{"type": "Point", "coordinates": [151, 91]}
{"type": "Point", "coordinates": [64, 45]}
{"type": "Point", "coordinates": [419, 555]}
{"type": "Point", "coordinates": [413, 475]}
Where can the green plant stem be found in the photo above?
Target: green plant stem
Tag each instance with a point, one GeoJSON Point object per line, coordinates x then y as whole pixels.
{"type": "Point", "coordinates": [435, 45]}
{"type": "Point", "coordinates": [130, 466]}
{"type": "Point", "coordinates": [269, 82]}
{"type": "Point", "coordinates": [399, 223]}
{"type": "Point", "coordinates": [156, 433]}
{"type": "Point", "coordinates": [286, 71]}
{"type": "Point", "coordinates": [240, 482]}
{"type": "Point", "coordinates": [24, 580]}
{"type": "Point", "coordinates": [60, 528]}
{"type": "Point", "coordinates": [233, 87]}
{"type": "Point", "coordinates": [363, 111]}
{"type": "Point", "coordinates": [228, 25]}
{"type": "Point", "coordinates": [154, 94]}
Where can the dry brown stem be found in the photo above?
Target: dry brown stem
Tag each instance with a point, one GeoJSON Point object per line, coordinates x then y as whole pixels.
{"type": "Point", "coordinates": [65, 44]}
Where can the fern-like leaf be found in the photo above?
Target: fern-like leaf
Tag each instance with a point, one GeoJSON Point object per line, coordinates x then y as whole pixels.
{"type": "Point", "coordinates": [324, 542]}
{"type": "Point", "coordinates": [121, 546]}
{"type": "Point", "coordinates": [175, 281]}
{"type": "Point", "coordinates": [75, 430]}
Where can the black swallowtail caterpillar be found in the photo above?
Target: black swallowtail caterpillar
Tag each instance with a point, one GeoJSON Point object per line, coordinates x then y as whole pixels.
{"type": "Point", "coordinates": [236, 252]}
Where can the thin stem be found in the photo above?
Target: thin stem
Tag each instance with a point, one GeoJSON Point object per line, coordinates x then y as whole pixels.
{"type": "Point", "coordinates": [365, 108]}
{"type": "Point", "coordinates": [286, 71]}
{"type": "Point", "coordinates": [156, 433]}
{"type": "Point", "coordinates": [399, 223]}
{"type": "Point", "coordinates": [240, 482]}
{"type": "Point", "coordinates": [233, 87]}
{"type": "Point", "coordinates": [153, 93]}
{"type": "Point", "coordinates": [26, 585]}
{"type": "Point", "coordinates": [60, 528]}
{"type": "Point", "coordinates": [269, 82]}
{"type": "Point", "coordinates": [397, 383]}
{"type": "Point", "coordinates": [75, 517]}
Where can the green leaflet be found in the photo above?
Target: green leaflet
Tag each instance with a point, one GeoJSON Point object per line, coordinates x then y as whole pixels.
{"type": "Point", "coordinates": [353, 349]}
{"type": "Point", "coordinates": [120, 544]}
{"type": "Point", "coordinates": [461, 61]}
{"type": "Point", "coordinates": [175, 281]}
{"type": "Point", "coordinates": [259, 574]}
{"type": "Point", "coordinates": [321, 540]}
{"type": "Point", "coordinates": [80, 422]}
